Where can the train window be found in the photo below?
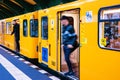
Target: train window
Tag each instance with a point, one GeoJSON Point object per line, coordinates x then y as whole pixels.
{"type": "Point", "coordinates": [8, 27]}
{"type": "Point", "coordinates": [110, 14]}
{"type": "Point", "coordinates": [34, 27]}
{"type": "Point", "coordinates": [25, 27]}
{"type": "Point", "coordinates": [2, 28]}
{"type": "Point", "coordinates": [109, 29]}
{"type": "Point", "coordinates": [45, 28]}
{"type": "Point", "coordinates": [2, 25]}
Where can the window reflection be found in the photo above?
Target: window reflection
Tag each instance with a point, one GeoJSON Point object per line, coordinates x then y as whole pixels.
{"type": "Point", "coordinates": [8, 28]}
{"type": "Point", "coordinates": [34, 28]}
{"type": "Point", "coordinates": [25, 28]}
{"type": "Point", "coordinates": [44, 27]}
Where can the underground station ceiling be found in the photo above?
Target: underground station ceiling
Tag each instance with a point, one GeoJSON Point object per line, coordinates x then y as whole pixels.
{"type": "Point", "coordinates": [9, 8]}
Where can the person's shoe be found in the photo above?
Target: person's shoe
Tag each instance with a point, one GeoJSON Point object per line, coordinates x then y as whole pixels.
{"type": "Point", "coordinates": [69, 73]}
{"type": "Point", "coordinates": [66, 73]}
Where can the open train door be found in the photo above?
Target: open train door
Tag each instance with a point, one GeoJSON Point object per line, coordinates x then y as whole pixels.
{"type": "Point", "coordinates": [74, 21]}
{"type": "Point", "coordinates": [15, 44]}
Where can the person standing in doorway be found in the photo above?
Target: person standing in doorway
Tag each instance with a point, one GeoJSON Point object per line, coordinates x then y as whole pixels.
{"type": "Point", "coordinates": [69, 41]}
{"type": "Point", "coordinates": [16, 32]}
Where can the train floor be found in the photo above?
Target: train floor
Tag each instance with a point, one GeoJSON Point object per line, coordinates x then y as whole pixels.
{"type": "Point", "coordinates": [13, 67]}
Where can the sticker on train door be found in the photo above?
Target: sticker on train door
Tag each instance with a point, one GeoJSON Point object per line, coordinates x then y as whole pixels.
{"type": "Point", "coordinates": [45, 54]}
{"type": "Point", "coordinates": [89, 16]}
{"type": "Point", "coordinates": [103, 42]}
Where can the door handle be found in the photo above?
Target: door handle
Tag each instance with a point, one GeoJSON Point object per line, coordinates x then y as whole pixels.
{"type": "Point", "coordinates": [49, 49]}
{"type": "Point", "coordinates": [39, 47]}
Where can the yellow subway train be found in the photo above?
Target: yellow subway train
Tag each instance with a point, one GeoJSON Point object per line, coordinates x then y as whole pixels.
{"type": "Point", "coordinates": [97, 25]}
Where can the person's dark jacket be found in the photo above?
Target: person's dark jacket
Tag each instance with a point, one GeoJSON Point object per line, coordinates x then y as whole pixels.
{"type": "Point", "coordinates": [69, 36]}
{"type": "Point", "coordinates": [16, 31]}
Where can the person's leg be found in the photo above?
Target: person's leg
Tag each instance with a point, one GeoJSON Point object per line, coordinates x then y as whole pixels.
{"type": "Point", "coordinates": [67, 52]}
{"type": "Point", "coordinates": [75, 46]}
{"type": "Point", "coordinates": [17, 46]}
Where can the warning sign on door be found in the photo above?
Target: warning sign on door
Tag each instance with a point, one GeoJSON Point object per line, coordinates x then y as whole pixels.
{"type": "Point", "coordinates": [89, 16]}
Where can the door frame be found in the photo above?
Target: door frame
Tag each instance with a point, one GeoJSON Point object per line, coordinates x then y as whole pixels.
{"type": "Point", "coordinates": [59, 35]}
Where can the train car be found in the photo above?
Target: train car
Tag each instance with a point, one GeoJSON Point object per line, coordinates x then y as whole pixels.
{"type": "Point", "coordinates": [28, 34]}
{"type": "Point", "coordinates": [96, 23]}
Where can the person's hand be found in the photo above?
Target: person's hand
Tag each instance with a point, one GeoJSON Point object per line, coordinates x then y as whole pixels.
{"type": "Point", "coordinates": [62, 45]}
{"type": "Point", "coordinates": [69, 46]}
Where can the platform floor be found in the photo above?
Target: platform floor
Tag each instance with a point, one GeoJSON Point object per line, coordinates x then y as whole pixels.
{"type": "Point", "coordinates": [13, 67]}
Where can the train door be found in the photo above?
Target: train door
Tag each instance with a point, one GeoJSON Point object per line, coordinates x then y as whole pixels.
{"type": "Point", "coordinates": [16, 44]}
{"type": "Point", "coordinates": [74, 20]}
{"type": "Point", "coordinates": [44, 40]}
{"type": "Point", "coordinates": [48, 42]}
